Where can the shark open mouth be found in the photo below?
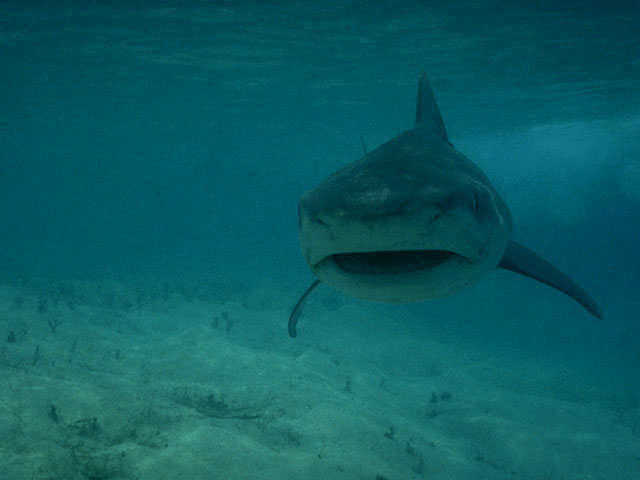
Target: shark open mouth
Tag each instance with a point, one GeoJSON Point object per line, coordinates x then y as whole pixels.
{"type": "Point", "coordinates": [390, 262]}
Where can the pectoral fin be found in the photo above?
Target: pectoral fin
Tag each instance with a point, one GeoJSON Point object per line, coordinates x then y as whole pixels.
{"type": "Point", "coordinates": [297, 310]}
{"type": "Point", "coordinates": [520, 259]}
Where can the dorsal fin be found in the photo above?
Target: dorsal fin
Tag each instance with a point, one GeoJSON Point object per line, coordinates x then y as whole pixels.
{"type": "Point", "coordinates": [427, 111]}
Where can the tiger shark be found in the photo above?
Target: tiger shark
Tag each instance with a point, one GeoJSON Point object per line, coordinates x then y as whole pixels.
{"type": "Point", "coordinates": [414, 220]}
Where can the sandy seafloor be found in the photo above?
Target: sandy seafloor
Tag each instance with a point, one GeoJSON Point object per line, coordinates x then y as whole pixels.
{"type": "Point", "coordinates": [109, 380]}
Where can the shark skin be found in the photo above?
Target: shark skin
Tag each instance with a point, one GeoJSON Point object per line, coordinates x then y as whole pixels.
{"type": "Point", "coordinates": [414, 220]}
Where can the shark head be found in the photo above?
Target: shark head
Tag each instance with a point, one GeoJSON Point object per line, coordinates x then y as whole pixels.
{"type": "Point", "coordinates": [412, 220]}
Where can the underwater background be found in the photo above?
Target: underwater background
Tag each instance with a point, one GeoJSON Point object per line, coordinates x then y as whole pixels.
{"type": "Point", "coordinates": [151, 160]}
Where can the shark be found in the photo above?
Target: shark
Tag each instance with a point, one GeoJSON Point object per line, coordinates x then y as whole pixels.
{"type": "Point", "coordinates": [413, 220]}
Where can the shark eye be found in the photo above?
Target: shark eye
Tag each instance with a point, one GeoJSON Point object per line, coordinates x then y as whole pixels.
{"type": "Point", "coordinates": [482, 206]}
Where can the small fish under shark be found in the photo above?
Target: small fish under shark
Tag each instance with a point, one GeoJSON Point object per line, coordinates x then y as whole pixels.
{"type": "Point", "coordinates": [414, 220]}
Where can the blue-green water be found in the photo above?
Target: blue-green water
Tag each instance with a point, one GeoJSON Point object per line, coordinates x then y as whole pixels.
{"type": "Point", "coordinates": [165, 149]}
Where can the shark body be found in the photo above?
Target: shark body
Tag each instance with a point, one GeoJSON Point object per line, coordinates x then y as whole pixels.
{"type": "Point", "coordinates": [414, 220]}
